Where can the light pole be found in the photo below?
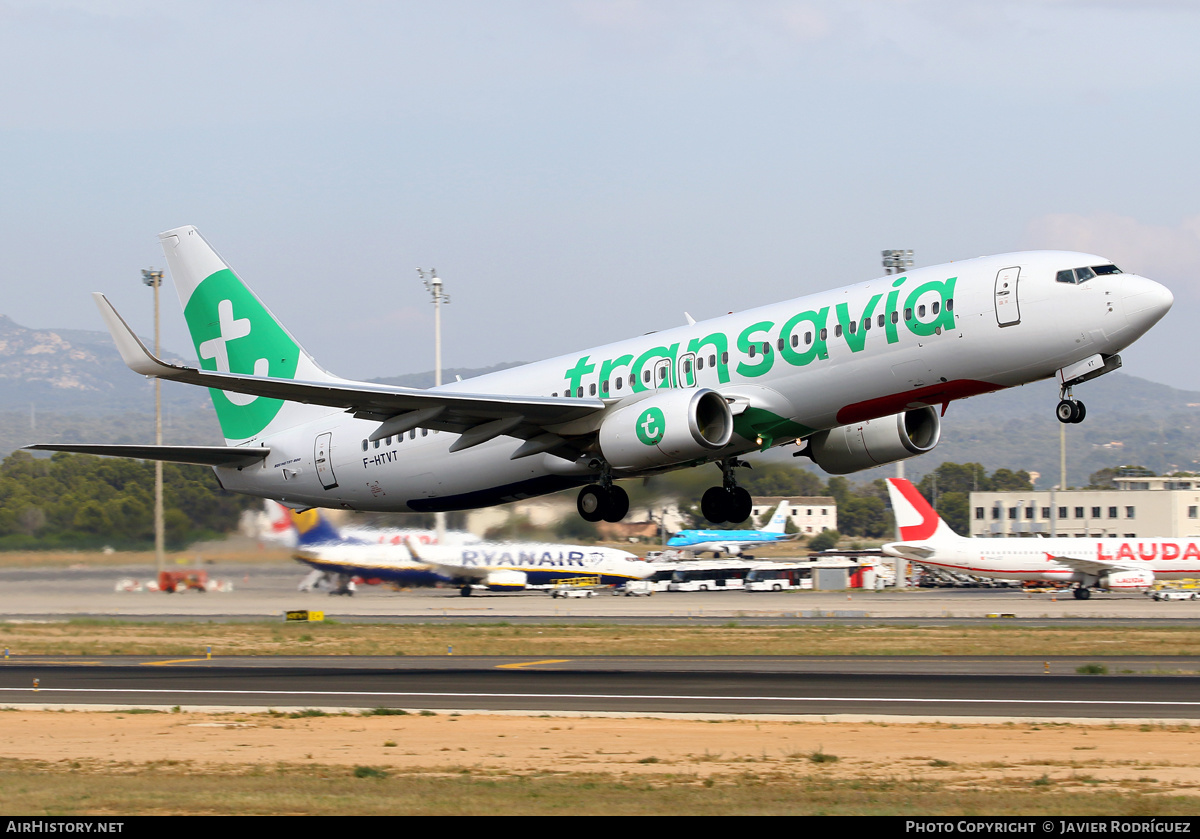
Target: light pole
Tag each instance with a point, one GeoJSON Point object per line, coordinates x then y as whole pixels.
{"type": "Point", "coordinates": [433, 284]}
{"type": "Point", "coordinates": [895, 261]}
{"type": "Point", "coordinates": [154, 279]}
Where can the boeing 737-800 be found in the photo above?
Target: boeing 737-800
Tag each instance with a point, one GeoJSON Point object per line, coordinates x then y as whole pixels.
{"type": "Point", "coordinates": [1107, 564]}
{"type": "Point", "coordinates": [856, 376]}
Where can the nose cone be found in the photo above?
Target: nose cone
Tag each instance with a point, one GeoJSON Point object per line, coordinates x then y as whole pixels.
{"type": "Point", "coordinates": [1145, 301]}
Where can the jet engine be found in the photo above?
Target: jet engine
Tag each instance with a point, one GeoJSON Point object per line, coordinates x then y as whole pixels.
{"type": "Point", "coordinates": [861, 445]}
{"type": "Point", "coordinates": [1123, 580]}
{"type": "Point", "coordinates": [671, 426]}
{"type": "Point", "coordinates": [505, 580]}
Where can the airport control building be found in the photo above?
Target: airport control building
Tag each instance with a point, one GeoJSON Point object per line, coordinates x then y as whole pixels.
{"type": "Point", "coordinates": [1140, 506]}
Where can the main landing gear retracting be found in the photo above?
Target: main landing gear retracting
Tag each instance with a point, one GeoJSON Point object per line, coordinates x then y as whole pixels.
{"type": "Point", "coordinates": [729, 502]}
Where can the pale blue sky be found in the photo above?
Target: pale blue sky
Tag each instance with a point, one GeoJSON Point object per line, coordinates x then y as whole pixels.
{"type": "Point", "coordinates": [583, 171]}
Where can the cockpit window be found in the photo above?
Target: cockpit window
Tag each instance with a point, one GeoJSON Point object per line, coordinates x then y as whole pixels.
{"type": "Point", "coordinates": [1081, 275]}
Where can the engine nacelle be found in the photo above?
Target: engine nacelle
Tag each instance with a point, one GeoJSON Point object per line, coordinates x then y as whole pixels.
{"type": "Point", "coordinates": [1125, 580]}
{"type": "Point", "coordinates": [506, 580]}
{"type": "Point", "coordinates": [672, 426]}
{"type": "Point", "coordinates": [862, 445]}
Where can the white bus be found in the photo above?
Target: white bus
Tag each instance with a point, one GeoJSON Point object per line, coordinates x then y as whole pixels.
{"type": "Point", "coordinates": [779, 576]}
{"type": "Point", "coordinates": [710, 576]}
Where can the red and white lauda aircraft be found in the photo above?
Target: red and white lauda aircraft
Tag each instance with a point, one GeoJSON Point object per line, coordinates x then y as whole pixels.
{"type": "Point", "coordinates": [1107, 564]}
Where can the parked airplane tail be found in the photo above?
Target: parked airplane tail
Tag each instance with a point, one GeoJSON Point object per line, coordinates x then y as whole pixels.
{"type": "Point", "coordinates": [233, 332]}
{"type": "Point", "coordinates": [778, 522]}
{"type": "Point", "coordinates": [918, 522]}
{"type": "Point", "coordinates": [312, 528]}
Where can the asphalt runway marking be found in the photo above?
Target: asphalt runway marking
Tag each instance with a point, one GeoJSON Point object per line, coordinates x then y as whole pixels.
{"type": "Point", "coordinates": [671, 697]}
{"type": "Point", "coordinates": [172, 661]}
{"type": "Point", "coordinates": [519, 664]}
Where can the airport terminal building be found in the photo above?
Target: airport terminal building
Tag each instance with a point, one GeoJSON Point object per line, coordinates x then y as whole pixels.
{"type": "Point", "coordinates": [1140, 506]}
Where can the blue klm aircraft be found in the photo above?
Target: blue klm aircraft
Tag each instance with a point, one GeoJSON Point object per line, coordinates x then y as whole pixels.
{"type": "Point", "coordinates": [733, 542]}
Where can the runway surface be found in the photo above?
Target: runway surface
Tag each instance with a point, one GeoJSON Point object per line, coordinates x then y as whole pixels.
{"type": "Point", "coordinates": [933, 687]}
{"type": "Point", "coordinates": [923, 687]}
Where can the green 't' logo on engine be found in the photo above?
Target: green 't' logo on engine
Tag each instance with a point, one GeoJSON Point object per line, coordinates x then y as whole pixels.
{"type": "Point", "coordinates": [233, 333]}
{"type": "Point", "coordinates": [651, 426]}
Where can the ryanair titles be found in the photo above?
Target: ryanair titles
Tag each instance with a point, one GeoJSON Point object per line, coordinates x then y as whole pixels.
{"type": "Point", "coordinates": [526, 559]}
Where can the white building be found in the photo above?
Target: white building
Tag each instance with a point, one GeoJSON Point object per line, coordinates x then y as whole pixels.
{"type": "Point", "coordinates": [808, 515]}
{"type": "Point", "coordinates": [1139, 506]}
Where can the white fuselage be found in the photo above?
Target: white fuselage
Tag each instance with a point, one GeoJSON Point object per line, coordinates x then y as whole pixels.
{"type": "Point", "coordinates": [926, 337]}
{"type": "Point", "coordinates": [1034, 559]}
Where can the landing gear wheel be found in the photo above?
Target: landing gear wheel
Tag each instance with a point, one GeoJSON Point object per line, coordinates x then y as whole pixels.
{"type": "Point", "coordinates": [617, 505]}
{"type": "Point", "coordinates": [740, 505]}
{"type": "Point", "coordinates": [1083, 593]}
{"type": "Point", "coordinates": [1070, 411]}
{"type": "Point", "coordinates": [591, 502]}
{"type": "Point", "coordinates": [465, 591]}
{"type": "Point", "coordinates": [715, 504]}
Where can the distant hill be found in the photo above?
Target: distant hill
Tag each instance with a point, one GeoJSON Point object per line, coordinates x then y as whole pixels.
{"type": "Point", "coordinates": [71, 386]}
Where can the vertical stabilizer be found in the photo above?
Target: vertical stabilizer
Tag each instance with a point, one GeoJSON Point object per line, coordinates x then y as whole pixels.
{"type": "Point", "coordinates": [778, 522]}
{"type": "Point", "coordinates": [918, 522]}
{"type": "Point", "coordinates": [233, 332]}
{"type": "Point", "coordinates": [312, 528]}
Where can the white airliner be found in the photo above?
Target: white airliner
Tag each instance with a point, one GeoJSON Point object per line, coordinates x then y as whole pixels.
{"type": "Point", "coordinates": [495, 566]}
{"type": "Point", "coordinates": [337, 559]}
{"type": "Point", "coordinates": [855, 376]}
{"type": "Point", "coordinates": [513, 567]}
{"type": "Point", "coordinates": [733, 542]}
{"type": "Point", "coordinates": [1107, 564]}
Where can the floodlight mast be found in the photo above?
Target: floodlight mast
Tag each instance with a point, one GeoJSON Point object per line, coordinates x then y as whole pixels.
{"type": "Point", "coordinates": [896, 261]}
{"type": "Point", "coordinates": [154, 278]}
{"type": "Point", "coordinates": [433, 284]}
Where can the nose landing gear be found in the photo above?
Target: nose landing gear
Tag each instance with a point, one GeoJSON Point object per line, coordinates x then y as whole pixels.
{"type": "Point", "coordinates": [1070, 409]}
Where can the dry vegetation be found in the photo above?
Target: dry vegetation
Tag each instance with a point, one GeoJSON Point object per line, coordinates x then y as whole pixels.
{"type": "Point", "coordinates": [91, 637]}
{"type": "Point", "coordinates": [160, 763]}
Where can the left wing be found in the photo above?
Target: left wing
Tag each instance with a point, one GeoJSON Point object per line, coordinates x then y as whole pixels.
{"type": "Point", "coordinates": [453, 572]}
{"type": "Point", "coordinates": [539, 420]}
{"type": "Point", "coordinates": [1097, 567]}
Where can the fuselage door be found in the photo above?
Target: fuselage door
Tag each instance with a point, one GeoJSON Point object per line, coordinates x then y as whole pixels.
{"type": "Point", "coordinates": [1008, 311]}
{"type": "Point", "coordinates": [662, 373]}
{"type": "Point", "coordinates": [687, 370]}
{"type": "Point", "coordinates": [324, 461]}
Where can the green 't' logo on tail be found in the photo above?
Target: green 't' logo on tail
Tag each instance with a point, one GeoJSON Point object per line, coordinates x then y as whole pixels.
{"type": "Point", "coordinates": [233, 333]}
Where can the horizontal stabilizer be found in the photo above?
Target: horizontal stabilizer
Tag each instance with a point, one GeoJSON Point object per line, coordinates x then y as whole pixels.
{"type": "Point", "coordinates": [197, 455]}
{"type": "Point", "coordinates": [455, 411]}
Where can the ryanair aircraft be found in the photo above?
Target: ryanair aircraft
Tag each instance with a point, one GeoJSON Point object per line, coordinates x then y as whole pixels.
{"type": "Point", "coordinates": [855, 377]}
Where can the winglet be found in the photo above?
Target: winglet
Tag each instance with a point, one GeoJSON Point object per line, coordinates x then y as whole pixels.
{"type": "Point", "coordinates": [133, 351]}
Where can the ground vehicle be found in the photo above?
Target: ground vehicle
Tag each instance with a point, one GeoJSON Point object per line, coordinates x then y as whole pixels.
{"type": "Point", "coordinates": [778, 577]}
{"type": "Point", "coordinates": [1173, 594]}
{"type": "Point", "coordinates": [636, 588]}
{"type": "Point", "coordinates": [710, 576]}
